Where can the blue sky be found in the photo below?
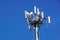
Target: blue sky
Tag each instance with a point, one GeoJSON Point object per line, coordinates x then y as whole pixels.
{"type": "Point", "coordinates": [13, 25]}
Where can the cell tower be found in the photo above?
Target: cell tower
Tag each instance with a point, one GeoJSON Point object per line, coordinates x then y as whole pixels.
{"type": "Point", "coordinates": [35, 20]}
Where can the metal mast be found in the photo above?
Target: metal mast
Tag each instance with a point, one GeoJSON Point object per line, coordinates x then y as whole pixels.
{"type": "Point", "coordinates": [35, 20]}
{"type": "Point", "coordinates": [36, 33]}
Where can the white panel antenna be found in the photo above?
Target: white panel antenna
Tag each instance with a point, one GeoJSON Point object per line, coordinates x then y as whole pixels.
{"type": "Point", "coordinates": [49, 19]}
{"type": "Point", "coordinates": [26, 14]}
{"type": "Point", "coordinates": [34, 9]}
{"type": "Point", "coordinates": [42, 14]}
{"type": "Point", "coordinates": [29, 27]}
{"type": "Point", "coordinates": [28, 23]}
{"type": "Point", "coordinates": [38, 13]}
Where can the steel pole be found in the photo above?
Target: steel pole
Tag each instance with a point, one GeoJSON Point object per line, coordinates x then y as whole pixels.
{"type": "Point", "coordinates": [36, 33]}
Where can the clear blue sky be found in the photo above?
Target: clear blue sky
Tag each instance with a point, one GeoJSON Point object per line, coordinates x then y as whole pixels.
{"type": "Point", "coordinates": [13, 25]}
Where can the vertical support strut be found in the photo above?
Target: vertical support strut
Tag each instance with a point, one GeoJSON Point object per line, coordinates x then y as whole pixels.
{"type": "Point", "coordinates": [36, 33]}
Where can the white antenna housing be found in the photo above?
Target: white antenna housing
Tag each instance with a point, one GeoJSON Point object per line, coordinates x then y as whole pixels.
{"type": "Point", "coordinates": [38, 13]}
{"type": "Point", "coordinates": [29, 27]}
{"type": "Point", "coordinates": [42, 14]}
{"type": "Point", "coordinates": [49, 19]}
{"type": "Point", "coordinates": [26, 14]}
{"type": "Point", "coordinates": [34, 9]}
